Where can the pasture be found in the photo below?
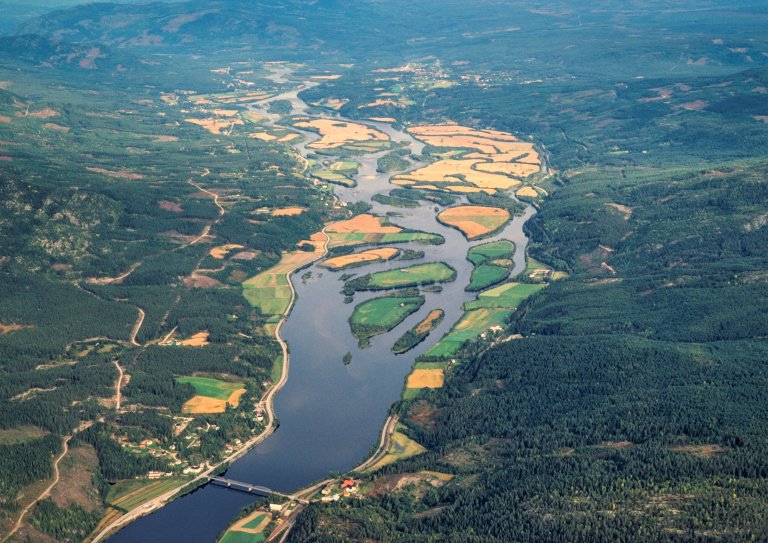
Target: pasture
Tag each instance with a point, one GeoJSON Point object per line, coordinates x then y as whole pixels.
{"type": "Point", "coordinates": [379, 315]}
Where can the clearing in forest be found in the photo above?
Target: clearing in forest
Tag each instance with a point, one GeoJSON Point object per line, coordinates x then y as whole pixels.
{"type": "Point", "coordinates": [221, 251]}
{"type": "Point", "coordinates": [288, 211]}
{"type": "Point", "coordinates": [199, 339]}
{"type": "Point", "coordinates": [213, 395]}
{"type": "Point", "coordinates": [400, 447]}
{"type": "Point", "coordinates": [475, 221]}
{"type": "Point", "coordinates": [338, 133]}
{"type": "Point", "coordinates": [359, 259]}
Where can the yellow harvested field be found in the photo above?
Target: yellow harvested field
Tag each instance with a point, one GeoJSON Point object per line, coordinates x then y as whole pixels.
{"type": "Point", "coordinates": [199, 339]}
{"type": "Point", "coordinates": [458, 130]}
{"type": "Point", "coordinates": [289, 137]}
{"type": "Point", "coordinates": [288, 211]}
{"type": "Point", "coordinates": [116, 174]}
{"type": "Point", "coordinates": [203, 404]}
{"type": "Point", "coordinates": [362, 224]}
{"type": "Point", "coordinates": [383, 119]}
{"type": "Point", "coordinates": [270, 290]}
{"type": "Point", "coordinates": [520, 151]}
{"type": "Point", "coordinates": [457, 171]}
{"type": "Point", "coordinates": [5, 119]}
{"type": "Point", "coordinates": [518, 169]}
{"type": "Point", "coordinates": [337, 133]}
{"type": "Point", "coordinates": [198, 405]}
{"type": "Point", "coordinates": [463, 189]}
{"type": "Point", "coordinates": [8, 328]}
{"type": "Point", "coordinates": [497, 164]}
{"type": "Point", "coordinates": [380, 102]}
{"type": "Point", "coordinates": [216, 126]}
{"type": "Point", "coordinates": [528, 192]}
{"type": "Point", "coordinates": [426, 379]}
{"type": "Point", "coordinates": [263, 136]}
{"type": "Point", "coordinates": [474, 221]}
{"type": "Point", "coordinates": [221, 251]}
{"type": "Point", "coordinates": [373, 255]}
{"type": "Point", "coordinates": [56, 127]}
{"type": "Point", "coordinates": [426, 325]}
{"type": "Point", "coordinates": [224, 112]}
{"type": "Point", "coordinates": [473, 319]}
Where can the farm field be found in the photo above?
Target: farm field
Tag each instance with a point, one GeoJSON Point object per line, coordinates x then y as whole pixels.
{"type": "Point", "coordinates": [379, 315]}
{"type": "Point", "coordinates": [486, 275]}
{"type": "Point", "coordinates": [475, 221]}
{"type": "Point", "coordinates": [488, 160]}
{"type": "Point", "coordinates": [400, 448]}
{"type": "Point", "coordinates": [471, 325]}
{"type": "Point", "coordinates": [365, 229]}
{"type": "Point", "coordinates": [358, 259]}
{"type": "Point", "coordinates": [212, 396]}
{"type": "Point", "coordinates": [249, 529]}
{"type": "Point", "coordinates": [411, 276]}
{"type": "Point", "coordinates": [507, 296]}
{"type": "Point", "coordinates": [491, 251]}
{"type": "Point", "coordinates": [335, 177]}
{"type": "Point", "coordinates": [233, 536]}
{"type": "Point", "coordinates": [492, 264]}
{"type": "Point", "coordinates": [490, 310]}
{"type": "Point", "coordinates": [418, 333]}
{"type": "Point", "coordinates": [339, 133]}
{"type": "Point", "coordinates": [130, 494]}
{"type": "Point", "coordinates": [212, 388]}
{"type": "Point", "coordinates": [270, 291]}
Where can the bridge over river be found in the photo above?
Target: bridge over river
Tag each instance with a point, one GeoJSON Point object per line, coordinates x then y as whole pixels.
{"type": "Point", "coordinates": [248, 487]}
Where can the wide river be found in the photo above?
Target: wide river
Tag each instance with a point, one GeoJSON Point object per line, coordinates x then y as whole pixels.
{"type": "Point", "coordinates": [330, 414]}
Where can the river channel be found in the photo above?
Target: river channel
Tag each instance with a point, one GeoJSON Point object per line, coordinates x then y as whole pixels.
{"type": "Point", "coordinates": [330, 414]}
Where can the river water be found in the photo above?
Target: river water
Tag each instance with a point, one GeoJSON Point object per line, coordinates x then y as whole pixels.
{"type": "Point", "coordinates": [330, 414]}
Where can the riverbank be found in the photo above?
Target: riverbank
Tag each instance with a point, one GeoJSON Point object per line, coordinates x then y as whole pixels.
{"type": "Point", "coordinates": [266, 403]}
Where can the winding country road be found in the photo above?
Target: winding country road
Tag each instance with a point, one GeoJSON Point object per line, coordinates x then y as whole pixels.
{"type": "Point", "coordinates": [384, 443]}
{"type": "Point", "coordinates": [118, 385]}
{"type": "Point", "coordinates": [266, 402]}
{"type": "Point", "coordinates": [46, 492]}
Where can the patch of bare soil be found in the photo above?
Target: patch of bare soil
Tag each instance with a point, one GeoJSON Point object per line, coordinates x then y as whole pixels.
{"type": "Point", "coordinates": [76, 483]}
{"type": "Point", "coordinates": [170, 206]}
{"type": "Point", "coordinates": [201, 281]}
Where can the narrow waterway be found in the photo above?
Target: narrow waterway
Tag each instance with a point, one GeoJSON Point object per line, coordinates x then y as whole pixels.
{"type": "Point", "coordinates": [330, 414]}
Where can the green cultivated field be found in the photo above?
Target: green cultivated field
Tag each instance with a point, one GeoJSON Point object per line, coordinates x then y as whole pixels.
{"type": "Point", "coordinates": [128, 495]}
{"type": "Point", "coordinates": [490, 264]}
{"type": "Point", "coordinates": [380, 315]}
{"type": "Point", "coordinates": [506, 296]}
{"type": "Point", "coordinates": [211, 388]}
{"type": "Point", "coordinates": [486, 275]}
{"type": "Point", "coordinates": [332, 176]}
{"type": "Point", "coordinates": [491, 251]}
{"type": "Point", "coordinates": [412, 276]}
{"type": "Point", "coordinates": [242, 537]}
{"type": "Point", "coordinates": [492, 308]}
